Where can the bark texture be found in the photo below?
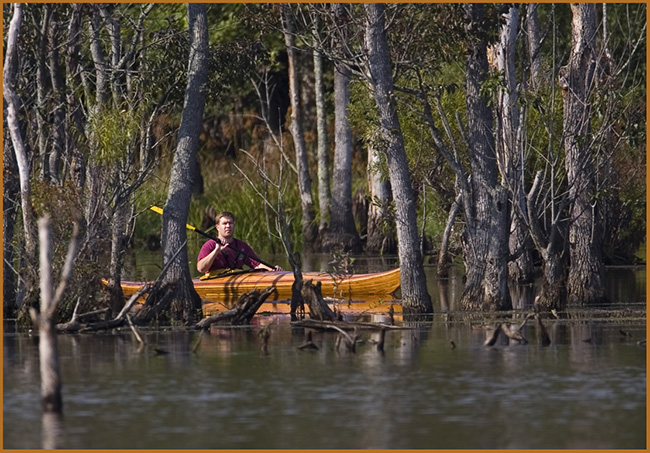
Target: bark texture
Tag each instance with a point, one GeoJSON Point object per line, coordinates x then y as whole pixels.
{"type": "Point", "coordinates": [415, 298]}
{"type": "Point", "coordinates": [586, 284]}
{"type": "Point", "coordinates": [309, 227]}
{"type": "Point", "coordinates": [324, 193]}
{"type": "Point", "coordinates": [342, 231]}
{"type": "Point", "coordinates": [20, 150]}
{"type": "Point", "coordinates": [10, 195]}
{"type": "Point", "coordinates": [176, 291]}
{"type": "Point", "coordinates": [534, 45]}
{"type": "Point", "coordinates": [380, 225]}
{"type": "Point", "coordinates": [510, 146]}
{"type": "Point", "coordinates": [486, 234]}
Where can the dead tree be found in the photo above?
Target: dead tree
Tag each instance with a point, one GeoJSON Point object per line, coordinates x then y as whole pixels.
{"type": "Point", "coordinates": [47, 346]}
{"type": "Point", "coordinates": [313, 297]}
{"type": "Point", "coordinates": [75, 324]}
{"type": "Point", "coordinates": [242, 312]}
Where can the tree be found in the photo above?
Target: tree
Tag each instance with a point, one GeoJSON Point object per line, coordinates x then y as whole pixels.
{"type": "Point", "coordinates": [586, 283]}
{"type": "Point", "coordinates": [309, 228]}
{"type": "Point", "coordinates": [485, 247]}
{"type": "Point", "coordinates": [534, 45]}
{"type": "Point", "coordinates": [17, 141]}
{"type": "Point", "coordinates": [342, 230]}
{"type": "Point", "coordinates": [324, 192]}
{"type": "Point", "coordinates": [415, 297]}
{"type": "Point", "coordinates": [510, 147]}
{"type": "Point", "coordinates": [176, 291]}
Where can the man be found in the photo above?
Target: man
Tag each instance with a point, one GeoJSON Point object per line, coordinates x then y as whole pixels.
{"type": "Point", "coordinates": [227, 253]}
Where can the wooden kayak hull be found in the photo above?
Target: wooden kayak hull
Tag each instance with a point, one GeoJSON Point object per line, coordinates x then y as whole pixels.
{"type": "Point", "coordinates": [360, 292]}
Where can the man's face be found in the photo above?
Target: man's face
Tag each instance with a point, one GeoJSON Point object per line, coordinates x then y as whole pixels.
{"type": "Point", "coordinates": [226, 227]}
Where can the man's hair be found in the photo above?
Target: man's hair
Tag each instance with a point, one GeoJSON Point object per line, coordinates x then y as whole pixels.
{"type": "Point", "coordinates": [228, 214]}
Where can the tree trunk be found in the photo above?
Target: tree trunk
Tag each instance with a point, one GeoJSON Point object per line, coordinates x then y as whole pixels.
{"type": "Point", "coordinates": [444, 260]}
{"type": "Point", "coordinates": [381, 224]}
{"type": "Point", "coordinates": [47, 345]}
{"type": "Point", "coordinates": [114, 34]}
{"type": "Point", "coordinates": [415, 298]}
{"type": "Point", "coordinates": [534, 45]}
{"type": "Point", "coordinates": [586, 284]}
{"type": "Point", "coordinates": [10, 194]}
{"type": "Point", "coordinates": [553, 293]}
{"type": "Point", "coordinates": [309, 228]}
{"type": "Point", "coordinates": [324, 193]}
{"type": "Point", "coordinates": [176, 291]}
{"type": "Point", "coordinates": [118, 248]}
{"type": "Point", "coordinates": [342, 230]}
{"type": "Point", "coordinates": [486, 235]}
{"type": "Point", "coordinates": [42, 94]}
{"type": "Point", "coordinates": [58, 95]}
{"type": "Point", "coordinates": [74, 114]}
{"type": "Point", "coordinates": [13, 113]}
{"type": "Point", "coordinates": [511, 149]}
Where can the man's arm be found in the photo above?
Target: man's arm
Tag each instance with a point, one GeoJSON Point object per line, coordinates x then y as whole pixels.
{"type": "Point", "coordinates": [204, 264]}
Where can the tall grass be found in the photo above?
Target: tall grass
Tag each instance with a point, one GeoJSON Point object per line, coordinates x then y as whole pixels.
{"type": "Point", "coordinates": [225, 189]}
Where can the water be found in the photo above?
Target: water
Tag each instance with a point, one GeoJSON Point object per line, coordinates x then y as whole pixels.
{"type": "Point", "coordinates": [587, 390]}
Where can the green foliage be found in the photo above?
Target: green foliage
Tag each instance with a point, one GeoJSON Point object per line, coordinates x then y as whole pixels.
{"type": "Point", "coordinates": [113, 131]}
{"type": "Point", "coordinates": [225, 190]}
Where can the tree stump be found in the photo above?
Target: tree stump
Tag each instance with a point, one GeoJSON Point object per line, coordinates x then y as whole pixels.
{"type": "Point", "coordinates": [242, 312]}
{"type": "Point", "coordinates": [313, 297]}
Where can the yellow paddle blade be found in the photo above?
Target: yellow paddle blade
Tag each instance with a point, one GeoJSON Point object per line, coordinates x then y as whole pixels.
{"type": "Point", "coordinates": [160, 211]}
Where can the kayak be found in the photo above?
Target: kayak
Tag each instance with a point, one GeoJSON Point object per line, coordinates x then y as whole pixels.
{"type": "Point", "coordinates": [366, 292]}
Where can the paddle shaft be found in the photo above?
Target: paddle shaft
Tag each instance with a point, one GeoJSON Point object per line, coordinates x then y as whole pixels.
{"type": "Point", "coordinates": [158, 210]}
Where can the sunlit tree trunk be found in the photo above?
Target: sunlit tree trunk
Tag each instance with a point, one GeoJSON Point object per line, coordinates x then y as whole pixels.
{"type": "Point", "coordinates": [415, 297]}
{"type": "Point", "coordinates": [13, 124]}
{"type": "Point", "coordinates": [534, 45]}
{"type": "Point", "coordinates": [586, 284]}
{"type": "Point", "coordinates": [324, 193]}
{"type": "Point", "coordinates": [176, 291]}
{"type": "Point", "coordinates": [309, 227]}
{"type": "Point", "coordinates": [381, 224]}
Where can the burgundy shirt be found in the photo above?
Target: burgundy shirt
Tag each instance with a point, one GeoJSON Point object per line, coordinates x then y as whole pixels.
{"type": "Point", "coordinates": [230, 258]}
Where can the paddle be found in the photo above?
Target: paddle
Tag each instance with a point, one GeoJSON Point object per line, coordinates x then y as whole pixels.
{"type": "Point", "coordinates": [158, 210]}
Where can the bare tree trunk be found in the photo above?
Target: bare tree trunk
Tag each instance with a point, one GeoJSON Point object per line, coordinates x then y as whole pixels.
{"type": "Point", "coordinates": [176, 290]}
{"type": "Point", "coordinates": [118, 248]}
{"type": "Point", "coordinates": [324, 193]}
{"type": "Point", "coordinates": [42, 92]}
{"type": "Point", "coordinates": [309, 228]}
{"type": "Point", "coordinates": [13, 113]}
{"type": "Point", "coordinates": [511, 149]}
{"type": "Point", "coordinates": [381, 224]}
{"type": "Point", "coordinates": [534, 45]}
{"type": "Point", "coordinates": [58, 95]}
{"type": "Point", "coordinates": [10, 194]}
{"type": "Point", "coordinates": [551, 243]}
{"type": "Point", "coordinates": [444, 260]}
{"type": "Point", "coordinates": [47, 345]}
{"type": "Point", "coordinates": [486, 235]}
{"type": "Point", "coordinates": [415, 298]}
{"type": "Point", "coordinates": [342, 230]}
{"type": "Point", "coordinates": [586, 284]}
{"type": "Point", "coordinates": [74, 117]}
{"type": "Point", "coordinates": [114, 33]}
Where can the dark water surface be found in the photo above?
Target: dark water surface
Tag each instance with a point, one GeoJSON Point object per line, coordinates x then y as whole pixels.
{"type": "Point", "coordinates": [586, 390]}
